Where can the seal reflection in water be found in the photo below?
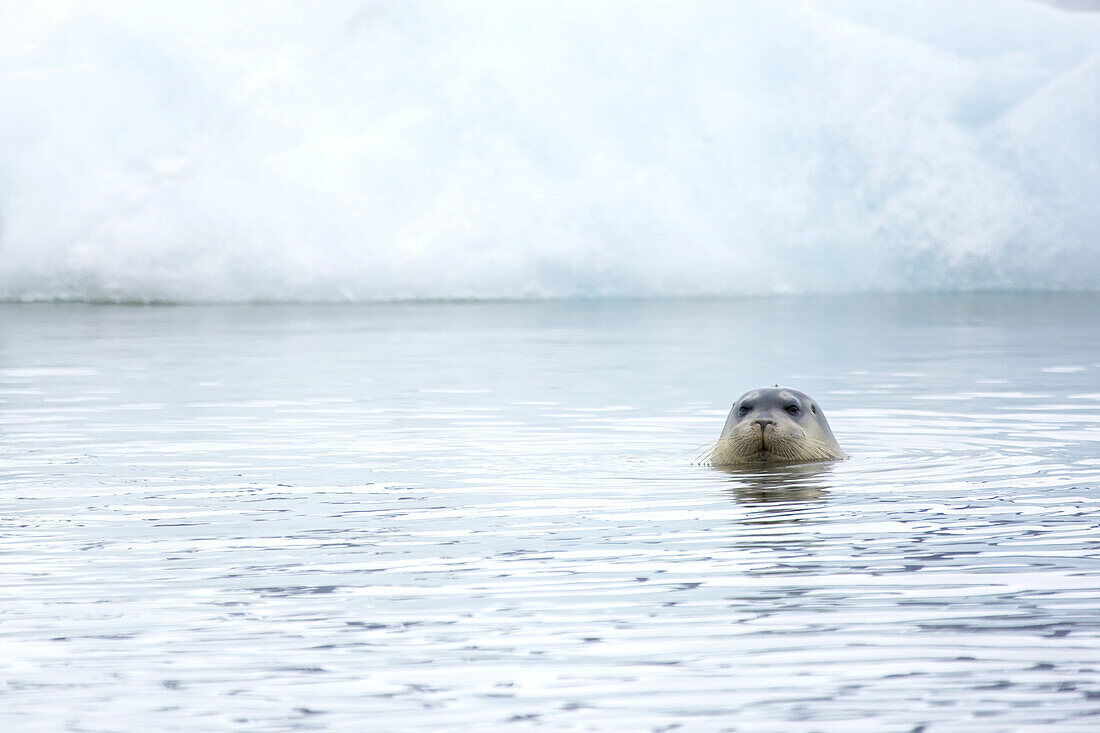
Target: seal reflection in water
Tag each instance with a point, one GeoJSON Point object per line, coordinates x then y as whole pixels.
{"type": "Point", "coordinates": [785, 483]}
{"type": "Point", "coordinates": [775, 425]}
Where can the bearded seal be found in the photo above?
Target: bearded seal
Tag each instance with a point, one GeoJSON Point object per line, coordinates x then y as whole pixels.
{"type": "Point", "coordinates": [775, 425]}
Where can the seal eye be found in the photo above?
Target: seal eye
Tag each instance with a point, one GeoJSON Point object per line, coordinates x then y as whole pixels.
{"type": "Point", "coordinates": [792, 409]}
{"type": "Point", "coordinates": [742, 409]}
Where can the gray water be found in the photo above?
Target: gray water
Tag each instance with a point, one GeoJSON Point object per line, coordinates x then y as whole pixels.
{"type": "Point", "coordinates": [467, 516]}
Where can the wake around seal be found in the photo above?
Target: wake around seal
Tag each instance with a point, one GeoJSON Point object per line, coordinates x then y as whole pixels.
{"type": "Point", "coordinates": [775, 425]}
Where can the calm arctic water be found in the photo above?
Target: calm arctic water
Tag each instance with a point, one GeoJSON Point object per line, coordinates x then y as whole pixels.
{"type": "Point", "coordinates": [457, 516]}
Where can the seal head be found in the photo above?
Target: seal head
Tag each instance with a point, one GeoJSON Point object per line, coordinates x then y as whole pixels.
{"type": "Point", "coordinates": [775, 425]}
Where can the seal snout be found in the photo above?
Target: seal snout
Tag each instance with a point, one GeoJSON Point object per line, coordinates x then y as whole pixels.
{"type": "Point", "coordinates": [766, 436]}
{"type": "Point", "coordinates": [763, 424]}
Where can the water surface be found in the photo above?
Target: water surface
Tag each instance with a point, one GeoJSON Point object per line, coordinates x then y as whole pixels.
{"type": "Point", "coordinates": [459, 515]}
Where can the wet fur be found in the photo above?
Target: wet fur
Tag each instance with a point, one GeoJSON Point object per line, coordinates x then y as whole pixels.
{"type": "Point", "coordinates": [788, 444]}
{"type": "Point", "coordinates": [784, 440]}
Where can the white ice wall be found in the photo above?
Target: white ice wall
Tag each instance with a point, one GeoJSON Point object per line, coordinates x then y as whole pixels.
{"type": "Point", "coordinates": [373, 150]}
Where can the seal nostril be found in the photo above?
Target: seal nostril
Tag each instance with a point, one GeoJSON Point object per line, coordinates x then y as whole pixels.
{"type": "Point", "coordinates": [763, 423]}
